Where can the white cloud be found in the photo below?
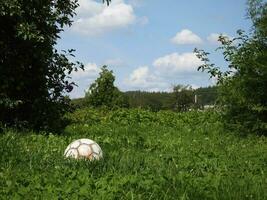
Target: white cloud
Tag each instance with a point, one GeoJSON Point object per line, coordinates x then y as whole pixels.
{"type": "Point", "coordinates": [214, 37]}
{"type": "Point", "coordinates": [89, 8]}
{"type": "Point", "coordinates": [176, 63]}
{"type": "Point", "coordinates": [84, 78]}
{"type": "Point", "coordinates": [142, 78]}
{"type": "Point", "coordinates": [90, 71]}
{"type": "Point", "coordinates": [95, 18]}
{"type": "Point", "coordinates": [186, 37]}
{"type": "Point", "coordinates": [167, 71]}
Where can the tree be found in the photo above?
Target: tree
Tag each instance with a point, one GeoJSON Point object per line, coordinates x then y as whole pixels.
{"type": "Point", "coordinates": [206, 95]}
{"type": "Point", "coordinates": [243, 87]}
{"type": "Point", "coordinates": [34, 76]}
{"type": "Point", "coordinates": [103, 92]}
{"type": "Point", "coordinates": [183, 97]}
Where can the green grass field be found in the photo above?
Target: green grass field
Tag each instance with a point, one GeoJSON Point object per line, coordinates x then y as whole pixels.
{"type": "Point", "coordinates": [146, 156]}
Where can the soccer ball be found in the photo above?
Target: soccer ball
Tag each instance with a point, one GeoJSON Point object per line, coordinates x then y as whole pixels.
{"type": "Point", "coordinates": [83, 148]}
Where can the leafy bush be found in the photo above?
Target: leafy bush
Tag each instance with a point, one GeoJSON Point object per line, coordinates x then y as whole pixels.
{"type": "Point", "coordinates": [91, 116]}
{"type": "Point", "coordinates": [183, 98]}
{"type": "Point", "coordinates": [34, 75]}
{"type": "Point", "coordinates": [243, 87]}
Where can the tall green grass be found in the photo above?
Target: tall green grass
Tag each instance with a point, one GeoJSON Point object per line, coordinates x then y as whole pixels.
{"type": "Point", "coordinates": [146, 156]}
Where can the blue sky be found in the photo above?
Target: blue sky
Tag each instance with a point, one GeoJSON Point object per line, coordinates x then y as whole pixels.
{"type": "Point", "coordinates": [149, 43]}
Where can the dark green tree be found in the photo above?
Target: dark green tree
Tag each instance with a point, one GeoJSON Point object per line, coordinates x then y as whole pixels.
{"type": "Point", "coordinates": [183, 98]}
{"type": "Point", "coordinates": [243, 88]}
{"type": "Point", "coordinates": [153, 101]}
{"type": "Point", "coordinates": [103, 92]}
{"type": "Point", "coordinates": [206, 95]}
{"type": "Point", "coordinates": [34, 76]}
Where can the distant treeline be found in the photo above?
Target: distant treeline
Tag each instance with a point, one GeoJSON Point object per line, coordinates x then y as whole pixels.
{"type": "Point", "coordinates": [156, 101]}
{"type": "Point", "coordinates": [167, 100]}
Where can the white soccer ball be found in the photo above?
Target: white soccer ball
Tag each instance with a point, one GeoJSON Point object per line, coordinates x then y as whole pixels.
{"type": "Point", "coordinates": [83, 148]}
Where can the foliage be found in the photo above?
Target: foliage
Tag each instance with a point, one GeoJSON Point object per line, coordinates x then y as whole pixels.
{"type": "Point", "coordinates": [206, 95]}
{"type": "Point", "coordinates": [157, 101]}
{"type": "Point", "coordinates": [79, 103]}
{"type": "Point", "coordinates": [120, 100]}
{"type": "Point", "coordinates": [195, 158]}
{"type": "Point", "coordinates": [243, 87]}
{"type": "Point", "coordinates": [103, 92]}
{"type": "Point", "coordinates": [154, 101]}
{"type": "Point", "coordinates": [34, 76]}
{"type": "Point", "coordinates": [123, 116]}
{"type": "Point", "coordinates": [183, 98]}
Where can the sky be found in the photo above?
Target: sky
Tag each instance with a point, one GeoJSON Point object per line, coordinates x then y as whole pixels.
{"type": "Point", "coordinates": [149, 43]}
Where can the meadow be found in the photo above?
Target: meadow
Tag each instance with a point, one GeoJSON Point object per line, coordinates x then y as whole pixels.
{"type": "Point", "coordinates": [147, 155]}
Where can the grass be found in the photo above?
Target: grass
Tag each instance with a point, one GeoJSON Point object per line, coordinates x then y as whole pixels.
{"type": "Point", "coordinates": [193, 158]}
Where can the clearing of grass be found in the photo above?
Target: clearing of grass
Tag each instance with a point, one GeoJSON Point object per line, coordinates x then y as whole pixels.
{"type": "Point", "coordinates": [147, 155]}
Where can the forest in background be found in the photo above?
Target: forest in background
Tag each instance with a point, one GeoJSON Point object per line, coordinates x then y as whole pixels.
{"type": "Point", "coordinates": [156, 101]}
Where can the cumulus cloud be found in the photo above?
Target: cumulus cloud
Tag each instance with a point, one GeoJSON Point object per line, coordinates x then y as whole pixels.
{"type": "Point", "coordinates": [89, 8]}
{"type": "Point", "coordinates": [142, 78]}
{"type": "Point", "coordinates": [94, 18]}
{"type": "Point", "coordinates": [214, 37]}
{"type": "Point", "coordinates": [164, 72]}
{"type": "Point", "coordinates": [176, 63]}
{"type": "Point", "coordinates": [84, 78]}
{"type": "Point", "coordinates": [167, 71]}
{"type": "Point", "coordinates": [90, 71]}
{"type": "Point", "coordinates": [186, 37]}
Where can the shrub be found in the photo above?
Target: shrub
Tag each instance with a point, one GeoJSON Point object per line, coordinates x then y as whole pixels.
{"type": "Point", "coordinates": [243, 87]}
